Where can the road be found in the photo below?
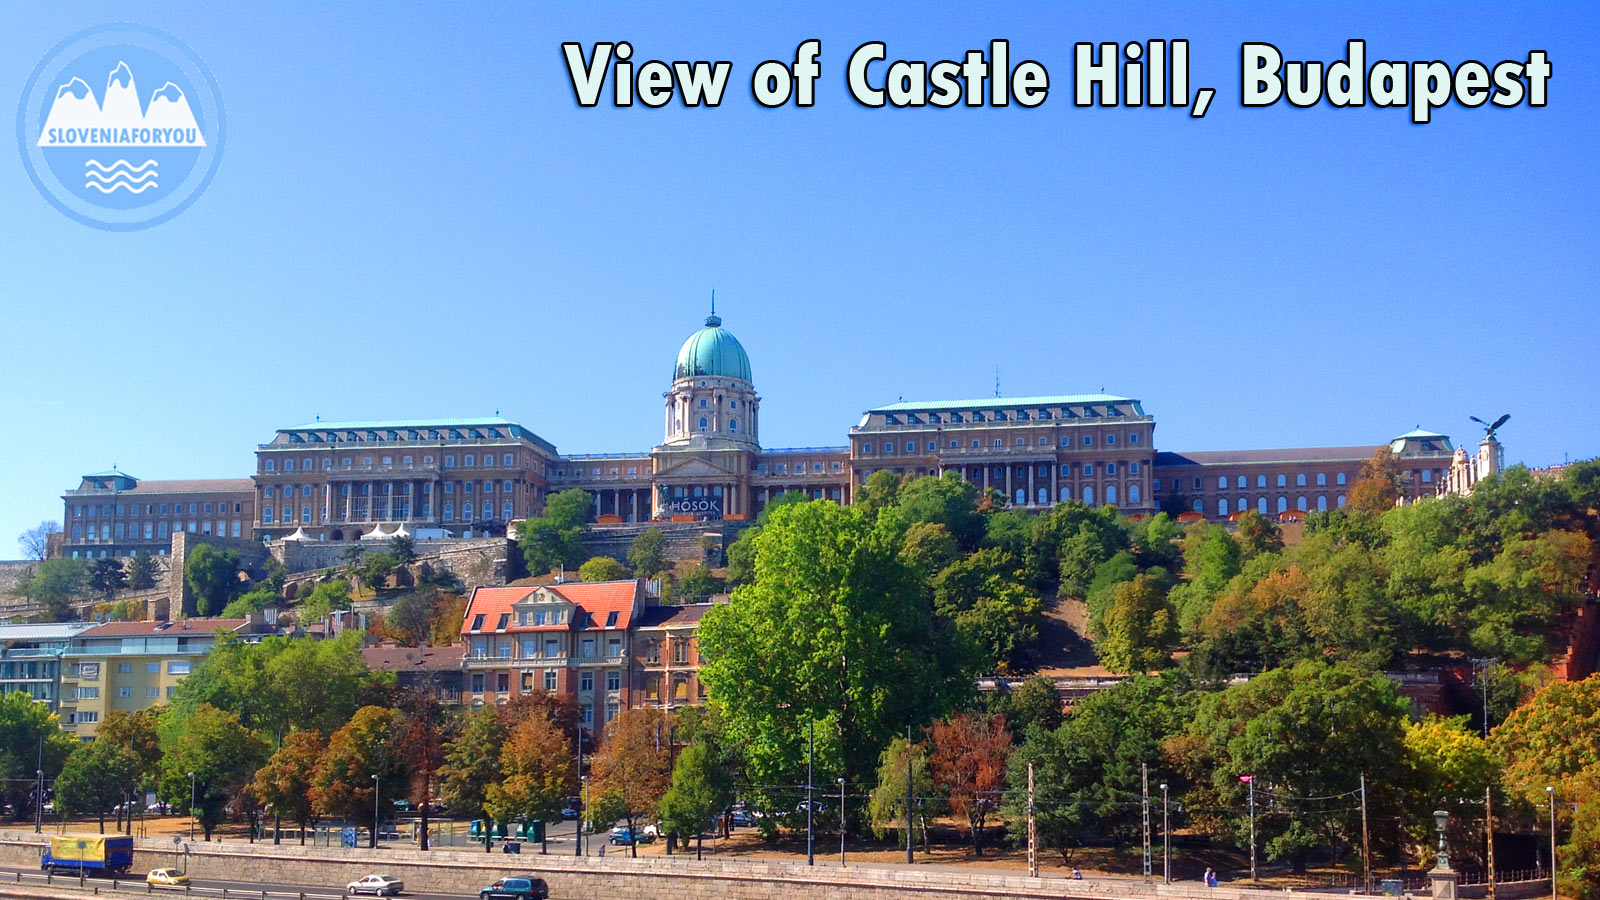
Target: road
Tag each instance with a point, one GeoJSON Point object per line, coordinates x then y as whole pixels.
{"type": "Point", "coordinates": [136, 882]}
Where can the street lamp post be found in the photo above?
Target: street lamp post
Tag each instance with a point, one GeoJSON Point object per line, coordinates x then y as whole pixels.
{"type": "Point", "coordinates": [191, 806]}
{"type": "Point", "coordinates": [1166, 839]}
{"type": "Point", "coordinates": [1441, 819]}
{"type": "Point", "coordinates": [811, 755]}
{"type": "Point", "coordinates": [376, 814]}
{"type": "Point", "coordinates": [585, 814]}
{"type": "Point", "coordinates": [38, 805]}
{"type": "Point", "coordinates": [841, 822]}
{"type": "Point", "coordinates": [1550, 791]}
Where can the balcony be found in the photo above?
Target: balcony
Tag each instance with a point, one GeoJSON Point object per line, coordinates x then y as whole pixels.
{"type": "Point", "coordinates": [336, 473]}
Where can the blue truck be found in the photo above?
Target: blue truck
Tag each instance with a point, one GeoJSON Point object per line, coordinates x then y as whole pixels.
{"type": "Point", "coordinates": [92, 854]}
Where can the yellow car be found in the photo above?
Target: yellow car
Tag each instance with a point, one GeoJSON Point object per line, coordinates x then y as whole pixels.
{"type": "Point", "coordinates": [168, 877]}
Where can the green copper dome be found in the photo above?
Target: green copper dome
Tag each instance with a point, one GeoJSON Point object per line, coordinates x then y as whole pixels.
{"type": "Point", "coordinates": [712, 351]}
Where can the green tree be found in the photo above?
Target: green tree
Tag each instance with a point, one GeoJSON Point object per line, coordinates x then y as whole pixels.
{"type": "Point", "coordinates": [602, 568]}
{"type": "Point", "coordinates": [222, 754]}
{"type": "Point", "coordinates": [377, 568]}
{"type": "Point", "coordinates": [410, 619]}
{"type": "Point", "coordinates": [701, 788]}
{"type": "Point", "coordinates": [742, 558]}
{"type": "Point", "coordinates": [29, 734]}
{"type": "Point", "coordinates": [285, 783]}
{"type": "Point", "coordinates": [1087, 769]}
{"type": "Point", "coordinates": [950, 501]}
{"type": "Point", "coordinates": [1141, 627]}
{"type": "Point", "coordinates": [887, 807]}
{"type": "Point", "coordinates": [556, 538]}
{"type": "Point", "coordinates": [1380, 484]}
{"type": "Point", "coordinates": [326, 598]}
{"type": "Point", "coordinates": [281, 684]}
{"type": "Point", "coordinates": [106, 575]}
{"type": "Point", "coordinates": [1033, 704]}
{"type": "Point", "coordinates": [828, 633]}
{"type": "Point", "coordinates": [136, 732]}
{"type": "Point", "coordinates": [1449, 768]}
{"type": "Point", "coordinates": [54, 584]}
{"type": "Point", "coordinates": [697, 586]}
{"type": "Point", "coordinates": [371, 743]}
{"type": "Point", "coordinates": [1309, 730]}
{"type": "Point", "coordinates": [97, 776]}
{"type": "Point", "coordinates": [996, 615]}
{"type": "Point", "coordinates": [879, 492]}
{"type": "Point", "coordinates": [1257, 534]}
{"type": "Point", "coordinates": [213, 578]}
{"type": "Point", "coordinates": [929, 548]}
{"type": "Point", "coordinates": [648, 553]}
{"type": "Point", "coordinates": [471, 764]}
{"type": "Point", "coordinates": [252, 601]}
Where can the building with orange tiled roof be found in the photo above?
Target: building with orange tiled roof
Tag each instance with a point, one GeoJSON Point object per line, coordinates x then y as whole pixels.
{"type": "Point", "coordinates": [572, 640]}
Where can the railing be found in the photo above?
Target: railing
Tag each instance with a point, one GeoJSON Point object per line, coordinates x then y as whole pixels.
{"type": "Point", "coordinates": [96, 885]}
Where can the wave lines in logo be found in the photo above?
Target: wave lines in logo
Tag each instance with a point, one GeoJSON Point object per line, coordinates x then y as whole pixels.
{"type": "Point", "coordinates": [120, 175]}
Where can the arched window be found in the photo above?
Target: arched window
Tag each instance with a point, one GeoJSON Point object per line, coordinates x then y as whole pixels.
{"type": "Point", "coordinates": [505, 510]}
{"type": "Point", "coordinates": [1020, 496]}
{"type": "Point", "coordinates": [1322, 503]}
{"type": "Point", "coordinates": [1111, 495]}
{"type": "Point", "coordinates": [1088, 496]}
{"type": "Point", "coordinates": [466, 512]}
{"type": "Point", "coordinates": [1222, 482]}
{"type": "Point", "coordinates": [1066, 494]}
{"type": "Point", "coordinates": [1261, 481]}
{"type": "Point", "coordinates": [1300, 480]}
{"type": "Point", "coordinates": [733, 426]}
{"type": "Point", "coordinates": [1341, 501]}
{"type": "Point", "coordinates": [1133, 493]}
{"type": "Point", "coordinates": [1282, 480]}
{"type": "Point", "coordinates": [1340, 479]}
{"type": "Point", "coordinates": [1044, 496]}
{"type": "Point", "coordinates": [1300, 503]}
{"type": "Point", "coordinates": [1261, 505]}
{"type": "Point", "coordinates": [1241, 481]}
{"type": "Point", "coordinates": [1222, 506]}
{"type": "Point", "coordinates": [1283, 503]}
{"type": "Point", "coordinates": [703, 423]}
{"type": "Point", "coordinates": [1199, 506]}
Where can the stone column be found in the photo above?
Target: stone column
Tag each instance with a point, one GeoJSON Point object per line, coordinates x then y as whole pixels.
{"type": "Point", "coordinates": [986, 477]}
{"type": "Point", "coordinates": [1055, 491]}
{"type": "Point", "coordinates": [1009, 496]}
{"type": "Point", "coordinates": [1032, 497]}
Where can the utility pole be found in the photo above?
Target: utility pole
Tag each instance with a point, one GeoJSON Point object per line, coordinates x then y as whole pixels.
{"type": "Point", "coordinates": [1144, 809]}
{"type": "Point", "coordinates": [1488, 828]}
{"type": "Point", "coordinates": [811, 808]}
{"type": "Point", "coordinates": [1366, 849]}
{"type": "Point", "coordinates": [1033, 830]}
{"type": "Point", "coordinates": [909, 798]}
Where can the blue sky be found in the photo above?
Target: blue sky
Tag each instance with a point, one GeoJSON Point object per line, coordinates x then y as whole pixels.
{"type": "Point", "coordinates": [413, 218]}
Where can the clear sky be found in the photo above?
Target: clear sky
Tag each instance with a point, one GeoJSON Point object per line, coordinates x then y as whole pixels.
{"type": "Point", "coordinates": [414, 218]}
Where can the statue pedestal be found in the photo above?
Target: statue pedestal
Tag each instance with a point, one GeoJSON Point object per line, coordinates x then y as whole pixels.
{"type": "Point", "coordinates": [1443, 883]}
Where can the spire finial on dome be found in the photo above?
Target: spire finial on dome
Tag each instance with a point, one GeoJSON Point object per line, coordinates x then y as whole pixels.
{"type": "Point", "coordinates": [713, 320]}
{"type": "Point", "coordinates": [713, 301]}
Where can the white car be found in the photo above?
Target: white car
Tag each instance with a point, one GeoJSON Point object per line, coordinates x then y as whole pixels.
{"type": "Point", "coordinates": [376, 885]}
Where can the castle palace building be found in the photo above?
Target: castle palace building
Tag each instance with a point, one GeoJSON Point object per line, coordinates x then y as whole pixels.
{"type": "Point", "coordinates": [341, 481]}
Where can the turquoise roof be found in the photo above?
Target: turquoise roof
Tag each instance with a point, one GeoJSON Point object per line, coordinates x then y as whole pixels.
{"type": "Point", "coordinates": [712, 351]}
{"type": "Point", "coordinates": [1001, 403]}
{"type": "Point", "coordinates": [400, 423]}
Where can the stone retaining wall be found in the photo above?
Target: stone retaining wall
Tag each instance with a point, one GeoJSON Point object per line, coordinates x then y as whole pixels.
{"type": "Point", "coordinates": [617, 876]}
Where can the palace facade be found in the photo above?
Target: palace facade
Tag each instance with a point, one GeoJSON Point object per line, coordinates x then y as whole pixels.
{"type": "Point", "coordinates": [338, 481]}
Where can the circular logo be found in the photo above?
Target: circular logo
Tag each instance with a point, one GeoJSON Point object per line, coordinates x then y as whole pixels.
{"type": "Point", "coordinates": [121, 127]}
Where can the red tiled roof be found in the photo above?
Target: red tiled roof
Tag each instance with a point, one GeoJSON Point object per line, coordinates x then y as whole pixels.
{"type": "Point", "coordinates": [147, 629]}
{"type": "Point", "coordinates": [413, 659]}
{"type": "Point", "coordinates": [598, 599]}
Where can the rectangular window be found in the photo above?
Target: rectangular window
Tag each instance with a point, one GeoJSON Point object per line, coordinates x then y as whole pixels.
{"type": "Point", "coordinates": [88, 693]}
{"type": "Point", "coordinates": [586, 681]}
{"type": "Point", "coordinates": [1133, 438]}
{"type": "Point", "coordinates": [152, 668]}
{"type": "Point", "coordinates": [549, 679]}
{"type": "Point", "coordinates": [613, 680]}
{"type": "Point", "coordinates": [477, 683]}
{"type": "Point", "coordinates": [124, 668]}
{"type": "Point", "coordinates": [88, 718]}
{"type": "Point", "coordinates": [1133, 468]}
{"type": "Point", "coordinates": [1088, 440]}
{"type": "Point", "coordinates": [587, 712]}
{"type": "Point", "coordinates": [152, 693]}
{"type": "Point", "coordinates": [125, 692]}
{"type": "Point", "coordinates": [178, 667]}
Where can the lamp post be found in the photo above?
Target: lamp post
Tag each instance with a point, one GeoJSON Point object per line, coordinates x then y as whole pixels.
{"type": "Point", "coordinates": [376, 815]}
{"type": "Point", "coordinates": [1166, 840]}
{"type": "Point", "coordinates": [585, 814]}
{"type": "Point", "coordinates": [1441, 819]}
{"type": "Point", "coordinates": [191, 806]}
{"type": "Point", "coordinates": [811, 755]}
{"type": "Point", "coordinates": [841, 823]}
{"type": "Point", "coordinates": [1550, 791]}
{"type": "Point", "coordinates": [1442, 878]}
{"type": "Point", "coordinates": [38, 805]}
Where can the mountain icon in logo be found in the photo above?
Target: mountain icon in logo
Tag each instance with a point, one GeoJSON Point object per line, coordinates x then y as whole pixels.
{"type": "Point", "coordinates": [77, 119]}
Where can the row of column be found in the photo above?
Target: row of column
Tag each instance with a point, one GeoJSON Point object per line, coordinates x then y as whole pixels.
{"type": "Point", "coordinates": [632, 504]}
